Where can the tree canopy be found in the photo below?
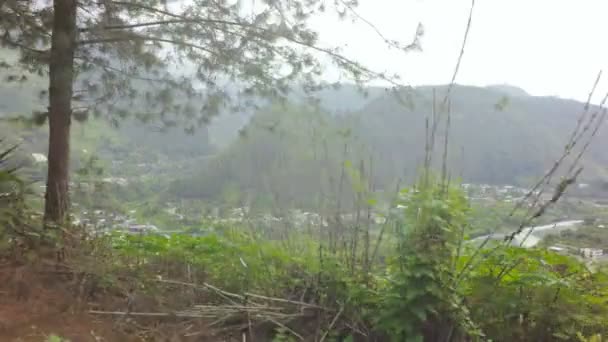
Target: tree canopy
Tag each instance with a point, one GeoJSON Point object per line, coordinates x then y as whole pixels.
{"type": "Point", "coordinates": [144, 58]}
{"type": "Point", "coordinates": [157, 53]}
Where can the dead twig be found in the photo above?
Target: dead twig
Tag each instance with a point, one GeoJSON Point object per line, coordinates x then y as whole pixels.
{"type": "Point", "coordinates": [240, 297]}
{"type": "Point", "coordinates": [281, 300]}
{"type": "Point", "coordinates": [281, 325]}
{"type": "Point", "coordinates": [147, 314]}
{"type": "Point", "coordinates": [331, 325]}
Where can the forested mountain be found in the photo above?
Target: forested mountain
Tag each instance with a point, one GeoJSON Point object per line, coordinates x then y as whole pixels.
{"type": "Point", "coordinates": [495, 137]}
{"type": "Point", "coordinates": [285, 154]}
{"type": "Point", "coordinates": [337, 101]}
{"type": "Point", "coordinates": [498, 134]}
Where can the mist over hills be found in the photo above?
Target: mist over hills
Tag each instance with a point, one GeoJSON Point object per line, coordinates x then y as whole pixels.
{"type": "Point", "coordinates": [499, 134]}
{"type": "Point", "coordinates": [494, 137]}
{"type": "Point", "coordinates": [293, 150]}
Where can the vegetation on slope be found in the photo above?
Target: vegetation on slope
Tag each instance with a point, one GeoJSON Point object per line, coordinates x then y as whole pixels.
{"type": "Point", "coordinates": [379, 261]}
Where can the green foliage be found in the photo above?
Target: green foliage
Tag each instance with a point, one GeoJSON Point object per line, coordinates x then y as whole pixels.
{"type": "Point", "coordinates": [420, 292]}
{"type": "Point", "coordinates": [8, 178]}
{"type": "Point", "coordinates": [283, 336]}
{"type": "Point", "coordinates": [56, 338]}
{"type": "Point", "coordinates": [412, 295]}
{"type": "Point", "coordinates": [534, 295]}
{"type": "Point", "coordinates": [229, 259]}
{"type": "Point", "coordinates": [12, 199]}
{"type": "Point", "coordinates": [593, 338]}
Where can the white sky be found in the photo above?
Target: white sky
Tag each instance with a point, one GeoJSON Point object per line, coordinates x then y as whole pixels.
{"type": "Point", "coordinates": [546, 47]}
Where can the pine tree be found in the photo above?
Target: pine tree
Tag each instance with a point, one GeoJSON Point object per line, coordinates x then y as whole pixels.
{"type": "Point", "coordinates": [174, 61]}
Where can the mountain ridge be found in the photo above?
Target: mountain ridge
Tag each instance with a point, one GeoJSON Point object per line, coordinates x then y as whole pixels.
{"type": "Point", "coordinates": [495, 137]}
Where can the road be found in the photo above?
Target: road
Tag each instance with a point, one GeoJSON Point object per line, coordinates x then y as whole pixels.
{"type": "Point", "coordinates": [531, 236]}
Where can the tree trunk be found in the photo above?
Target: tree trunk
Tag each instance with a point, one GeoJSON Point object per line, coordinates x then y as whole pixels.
{"type": "Point", "coordinates": [61, 74]}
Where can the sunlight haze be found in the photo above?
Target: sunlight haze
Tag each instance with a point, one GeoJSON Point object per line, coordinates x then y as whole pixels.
{"type": "Point", "coordinates": [553, 48]}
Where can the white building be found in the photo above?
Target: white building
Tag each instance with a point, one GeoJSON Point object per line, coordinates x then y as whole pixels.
{"type": "Point", "coordinates": [591, 253]}
{"type": "Point", "coordinates": [39, 157]}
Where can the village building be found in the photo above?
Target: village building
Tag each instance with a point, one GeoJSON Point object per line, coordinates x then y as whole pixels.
{"type": "Point", "coordinates": [592, 253]}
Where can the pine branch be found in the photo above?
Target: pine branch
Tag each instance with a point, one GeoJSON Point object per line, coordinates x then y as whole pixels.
{"type": "Point", "coordinates": [145, 38]}
{"type": "Point", "coordinates": [14, 44]}
{"type": "Point", "coordinates": [257, 31]}
{"type": "Point", "coordinates": [131, 26]}
{"type": "Point", "coordinates": [179, 16]}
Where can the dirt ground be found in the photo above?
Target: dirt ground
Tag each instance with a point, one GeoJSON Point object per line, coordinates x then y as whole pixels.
{"type": "Point", "coordinates": [37, 302]}
{"type": "Point", "coordinates": [32, 309]}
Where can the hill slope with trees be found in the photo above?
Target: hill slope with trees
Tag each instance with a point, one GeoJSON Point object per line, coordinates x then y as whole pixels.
{"type": "Point", "coordinates": [494, 138]}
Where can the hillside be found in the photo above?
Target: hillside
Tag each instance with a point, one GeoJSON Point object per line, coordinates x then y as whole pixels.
{"type": "Point", "coordinates": [494, 137]}
{"type": "Point", "coordinates": [499, 134]}
{"type": "Point", "coordinates": [291, 151]}
{"type": "Point", "coordinates": [339, 101]}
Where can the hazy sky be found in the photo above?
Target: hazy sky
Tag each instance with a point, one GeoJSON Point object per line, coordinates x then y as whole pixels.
{"type": "Point", "coordinates": [547, 47]}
